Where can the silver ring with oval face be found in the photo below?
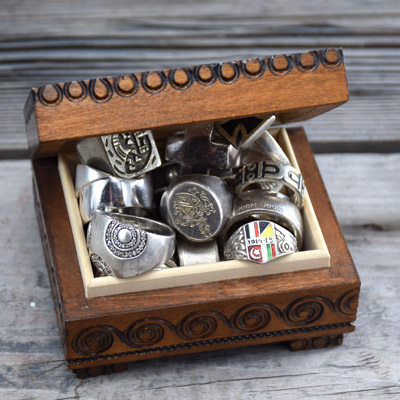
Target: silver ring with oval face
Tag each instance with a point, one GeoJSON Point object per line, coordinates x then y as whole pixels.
{"type": "Point", "coordinates": [197, 206]}
{"type": "Point", "coordinates": [126, 246]}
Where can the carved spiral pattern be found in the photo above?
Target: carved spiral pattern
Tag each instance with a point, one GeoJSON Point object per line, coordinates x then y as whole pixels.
{"type": "Point", "coordinates": [329, 60]}
{"type": "Point", "coordinates": [280, 65]}
{"type": "Point", "coordinates": [253, 68]}
{"type": "Point", "coordinates": [303, 62]}
{"type": "Point", "coordinates": [197, 325]}
{"type": "Point", "coordinates": [347, 303]}
{"type": "Point", "coordinates": [205, 74]}
{"type": "Point", "coordinates": [126, 86]}
{"type": "Point", "coordinates": [154, 88]}
{"type": "Point", "coordinates": [75, 91]}
{"type": "Point", "coordinates": [304, 311]}
{"type": "Point", "coordinates": [92, 341]}
{"type": "Point", "coordinates": [250, 318]}
{"type": "Point", "coordinates": [50, 95]}
{"type": "Point", "coordinates": [228, 72]}
{"type": "Point", "coordinates": [144, 332]}
{"type": "Point", "coordinates": [180, 84]}
{"type": "Point", "coordinates": [102, 90]}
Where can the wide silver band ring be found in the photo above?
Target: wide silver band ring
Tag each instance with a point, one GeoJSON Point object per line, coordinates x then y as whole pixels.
{"type": "Point", "coordinates": [257, 204]}
{"type": "Point", "coordinates": [126, 246]}
{"type": "Point", "coordinates": [197, 206]}
{"type": "Point", "coordinates": [266, 172]}
{"type": "Point", "coordinates": [126, 155]}
{"type": "Point", "coordinates": [260, 242]}
{"type": "Point", "coordinates": [190, 253]}
{"type": "Point", "coordinates": [112, 192]}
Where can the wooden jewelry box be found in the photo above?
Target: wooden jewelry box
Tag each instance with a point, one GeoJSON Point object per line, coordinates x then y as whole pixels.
{"type": "Point", "coordinates": [308, 299]}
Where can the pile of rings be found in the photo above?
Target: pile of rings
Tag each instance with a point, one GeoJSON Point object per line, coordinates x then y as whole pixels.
{"type": "Point", "coordinates": [206, 200]}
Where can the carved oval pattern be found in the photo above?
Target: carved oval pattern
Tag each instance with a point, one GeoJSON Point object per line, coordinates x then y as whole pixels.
{"type": "Point", "coordinates": [280, 65]}
{"type": "Point", "coordinates": [181, 79]}
{"type": "Point", "coordinates": [93, 341]}
{"type": "Point", "coordinates": [228, 72]}
{"type": "Point", "coordinates": [75, 91]}
{"type": "Point", "coordinates": [154, 82]}
{"type": "Point", "coordinates": [331, 58]}
{"type": "Point", "coordinates": [307, 62]}
{"type": "Point", "coordinates": [250, 318]}
{"type": "Point", "coordinates": [347, 303]}
{"type": "Point", "coordinates": [197, 325]}
{"type": "Point", "coordinates": [144, 332]}
{"type": "Point", "coordinates": [253, 68]}
{"type": "Point", "coordinates": [50, 95]}
{"type": "Point", "coordinates": [304, 311]}
{"type": "Point", "coordinates": [126, 86]}
{"type": "Point", "coordinates": [100, 90]}
{"type": "Point", "coordinates": [205, 74]}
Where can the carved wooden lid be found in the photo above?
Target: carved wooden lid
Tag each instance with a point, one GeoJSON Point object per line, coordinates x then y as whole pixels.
{"type": "Point", "coordinates": [294, 87]}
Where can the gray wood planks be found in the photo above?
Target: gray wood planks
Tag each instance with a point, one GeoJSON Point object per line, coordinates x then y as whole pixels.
{"type": "Point", "coordinates": [365, 196]}
{"type": "Point", "coordinates": [43, 42]}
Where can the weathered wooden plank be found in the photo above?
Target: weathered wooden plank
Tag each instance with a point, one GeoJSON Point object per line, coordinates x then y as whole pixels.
{"type": "Point", "coordinates": [365, 195]}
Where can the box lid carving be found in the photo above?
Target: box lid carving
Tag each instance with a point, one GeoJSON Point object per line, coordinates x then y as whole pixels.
{"type": "Point", "coordinates": [294, 87]}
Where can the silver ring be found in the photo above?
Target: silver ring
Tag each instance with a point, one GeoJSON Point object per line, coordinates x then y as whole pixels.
{"type": "Point", "coordinates": [126, 155]}
{"type": "Point", "coordinates": [269, 174]}
{"type": "Point", "coordinates": [86, 175]}
{"type": "Point", "coordinates": [262, 140]}
{"type": "Point", "coordinates": [196, 151]}
{"type": "Point", "coordinates": [258, 204]}
{"type": "Point", "coordinates": [115, 193]}
{"type": "Point", "coordinates": [126, 246]}
{"type": "Point", "coordinates": [197, 253]}
{"type": "Point", "coordinates": [197, 206]}
{"type": "Point", "coordinates": [260, 242]}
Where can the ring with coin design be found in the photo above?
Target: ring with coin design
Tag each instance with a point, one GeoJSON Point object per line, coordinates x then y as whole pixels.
{"type": "Point", "coordinates": [260, 242]}
{"type": "Point", "coordinates": [125, 155]}
{"type": "Point", "coordinates": [267, 174]}
{"type": "Point", "coordinates": [125, 246]}
{"type": "Point", "coordinates": [110, 192]}
{"type": "Point", "coordinates": [257, 204]}
{"type": "Point", "coordinates": [197, 206]}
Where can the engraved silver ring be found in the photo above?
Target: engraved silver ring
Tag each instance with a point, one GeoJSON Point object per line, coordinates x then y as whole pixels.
{"type": "Point", "coordinates": [125, 245]}
{"type": "Point", "coordinates": [111, 192]}
{"type": "Point", "coordinates": [260, 242]}
{"type": "Point", "coordinates": [126, 155]}
{"type": "Point", "coordinates": [197, 206]}
{"type": "Point", "coordinates": [190, 253]}
{"type": "Point", "coordinates": [257, 204]}
{"type": "Point", "coordinates": [266, 172]}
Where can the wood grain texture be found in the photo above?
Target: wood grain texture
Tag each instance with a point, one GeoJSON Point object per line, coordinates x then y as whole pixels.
{"type": "Point", "coordinates": [32, 361]}
{"type": "Point", "coordinates": [43, 42]}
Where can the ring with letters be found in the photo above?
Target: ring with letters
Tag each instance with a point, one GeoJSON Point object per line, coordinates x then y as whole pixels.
{"type": "Point", "coordinates": [259, 242]}
{"type": "Point", "coordinates": [268, 174]}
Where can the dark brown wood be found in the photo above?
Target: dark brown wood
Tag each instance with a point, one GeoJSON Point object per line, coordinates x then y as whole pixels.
{"type": "Point", "coordinates": [294, 87]}
{"type": "Point", "coordinates": [129, 327]}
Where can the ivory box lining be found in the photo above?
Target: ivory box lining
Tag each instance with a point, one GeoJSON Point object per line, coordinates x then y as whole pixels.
{"type": "Point", "coordinates": [314, 254]}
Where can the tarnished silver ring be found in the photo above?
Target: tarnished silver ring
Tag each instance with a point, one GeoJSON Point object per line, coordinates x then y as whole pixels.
{"type": "Point", "coordinates": [126, 155]}
{"type": "Point", "coordinates": [197, 206]}
{"type": "Point", "coordinates": [190, 253]}
{"type": "Point", "coordinates": [260, 242]}
{"type": "Point", "coordinates": [258, 204]}
{"type": "Point", "coordinates": [125, 246]}
{"type": "Point", "coordinates": [111, 192]}
{"type": "Point", "coordinates": [268, 174]}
